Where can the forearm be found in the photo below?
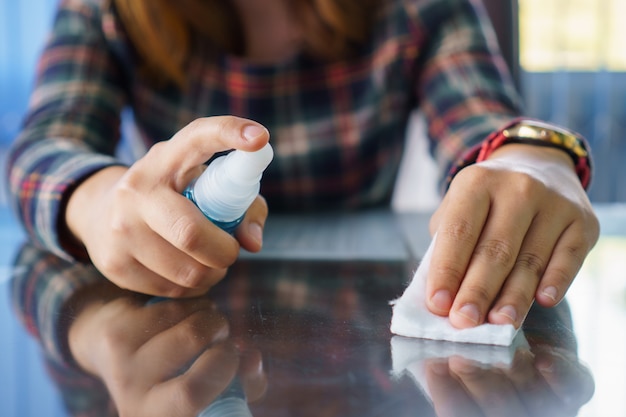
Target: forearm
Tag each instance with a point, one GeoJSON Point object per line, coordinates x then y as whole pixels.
{"type": "Point", "coordinates": [72, 125]}
{"type": "Point", "coordinates": [464, 88]}
{"type": "Point", "coordinates": [41, 173]}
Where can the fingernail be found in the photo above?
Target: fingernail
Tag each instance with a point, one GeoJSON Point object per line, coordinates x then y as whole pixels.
{"type": "Point", "coordinates": [550, 292]}
{"type": "Point", "coordinates": [470, 312]}
{"type": "Point", "coordinates": [251, 132]}
{"type": "Point", "coordinates": [508, 312]}
{"type": "Point", "coordinates": [442, 300]}
{"type": "Point", "coordinates": [256, 232]}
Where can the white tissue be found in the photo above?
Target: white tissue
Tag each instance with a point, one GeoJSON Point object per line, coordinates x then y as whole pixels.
{"type": "Point", "coordinates": [412, 318]}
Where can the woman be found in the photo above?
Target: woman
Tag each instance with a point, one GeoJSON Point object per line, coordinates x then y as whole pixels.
{"type": "Point", "coordinates": [334, 82]}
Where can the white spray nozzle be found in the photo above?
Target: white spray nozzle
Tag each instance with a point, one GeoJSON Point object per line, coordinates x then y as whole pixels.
{"type": "Point", "coordinates": [247, 167]}
{"type": "Point", "coordinates": [231, 183]}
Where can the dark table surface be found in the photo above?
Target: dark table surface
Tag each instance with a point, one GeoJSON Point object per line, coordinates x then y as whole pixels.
{"type": "Point", "coordinates": [310, 320]}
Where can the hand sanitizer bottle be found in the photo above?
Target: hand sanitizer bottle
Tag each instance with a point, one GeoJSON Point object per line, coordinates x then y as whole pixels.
{"type": "Point", "coordinates": [229, 185]}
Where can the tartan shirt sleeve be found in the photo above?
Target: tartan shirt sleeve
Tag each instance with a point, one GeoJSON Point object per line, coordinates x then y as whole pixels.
{"type": "Point", "coordinates": [465, 88]}
{"type": "Point", "coordinates": [73, 123]}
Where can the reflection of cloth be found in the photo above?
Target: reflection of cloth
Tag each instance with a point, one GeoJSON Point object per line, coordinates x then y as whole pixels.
{"type": "Point", "coordinates": [412, 318]}
{"type": "Point", "coordinates": [409, 355]}
{"type": "Point", "coordinates": [338, 128]}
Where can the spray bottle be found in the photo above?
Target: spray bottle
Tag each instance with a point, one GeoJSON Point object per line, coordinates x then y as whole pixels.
{"type": "Point", "coordinates": [229, 185]}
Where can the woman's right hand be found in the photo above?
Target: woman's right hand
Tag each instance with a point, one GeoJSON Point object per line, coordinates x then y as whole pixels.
{"type": "Point", "coordinates": [144, 235]}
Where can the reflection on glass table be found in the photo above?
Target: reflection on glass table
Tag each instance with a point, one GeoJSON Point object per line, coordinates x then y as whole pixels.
{"type": "Point", "coordinates": [303, 338]}
{"type": "Point", "coordinates": [598, 302]}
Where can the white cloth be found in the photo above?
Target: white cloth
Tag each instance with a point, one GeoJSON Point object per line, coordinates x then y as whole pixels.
{"type": "Point", "coordinates": [412, 318]}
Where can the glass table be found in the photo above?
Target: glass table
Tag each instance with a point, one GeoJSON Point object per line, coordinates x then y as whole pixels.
{"type": "Point", "coordinates": [302, 329]}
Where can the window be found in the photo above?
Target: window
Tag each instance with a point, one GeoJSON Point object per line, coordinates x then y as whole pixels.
{"type": "Point", "coordinates": [574, 35]}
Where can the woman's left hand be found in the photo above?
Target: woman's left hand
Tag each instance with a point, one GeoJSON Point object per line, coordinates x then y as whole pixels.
{"type": "Point", "coordinates": [512, 229]}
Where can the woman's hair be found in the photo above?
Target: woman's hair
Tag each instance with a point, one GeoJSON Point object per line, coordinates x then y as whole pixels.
{"type": "Point", "coordinates": [162, 31]}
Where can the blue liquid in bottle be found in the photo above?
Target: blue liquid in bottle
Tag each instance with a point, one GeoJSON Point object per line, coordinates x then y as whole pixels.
{"type": "Point", "coordinates": [226, 226]}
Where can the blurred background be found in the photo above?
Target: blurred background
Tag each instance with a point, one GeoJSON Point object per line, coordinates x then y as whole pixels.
{"type": "Point", "coordinates": [573, 64]}
{"type": "Point", "coordinates": [572, 72]}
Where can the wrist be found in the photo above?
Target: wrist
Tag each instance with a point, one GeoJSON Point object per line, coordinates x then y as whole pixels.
{"type": "Point", "coordinates": [84, 198]}
{"type": "Point", "coordinates": [524, 152]}
{"type": "Point", "coordinates": [543, 137]}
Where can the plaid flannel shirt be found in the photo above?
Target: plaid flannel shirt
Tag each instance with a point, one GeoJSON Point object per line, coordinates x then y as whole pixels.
{"type": "Point", "coordinates": [338, 129]}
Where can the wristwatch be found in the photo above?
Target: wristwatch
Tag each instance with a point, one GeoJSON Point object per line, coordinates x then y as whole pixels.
{"type": "Point", "coordinates": [532, 132]}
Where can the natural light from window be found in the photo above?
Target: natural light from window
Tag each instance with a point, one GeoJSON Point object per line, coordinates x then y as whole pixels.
{"type": "Point", "coordinates": [573, 35]}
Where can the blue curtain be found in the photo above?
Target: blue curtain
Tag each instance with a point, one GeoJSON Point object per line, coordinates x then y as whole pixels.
{"type": "Point", "coordinates": [23, 28]}
{"type": "Point", "coordinates": [594, 104]}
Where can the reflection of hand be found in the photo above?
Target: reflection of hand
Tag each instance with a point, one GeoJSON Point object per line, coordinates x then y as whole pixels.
{"type": "Point", "coordinates": [511, 229]}
{"type": "Point", "coordinates": [140, 231]}
{"type": "Point", "coordinates": [546, 383]}
{"type": "Point", "coordinates": [169, 358]}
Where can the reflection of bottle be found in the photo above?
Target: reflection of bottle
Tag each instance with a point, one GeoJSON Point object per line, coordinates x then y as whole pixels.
{"type": "Point", "coordinates": [229, 185]}
{"type": "Point", "coordinates": [230, 403]}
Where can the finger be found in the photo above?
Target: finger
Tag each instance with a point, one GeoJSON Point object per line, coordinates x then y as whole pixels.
{"type": "Point", "coordinates": [173, 217]}
{"type": "Point", "coordinates": [567, 377]}
{"type": "Point", "coordinates": [490, 264]}
{"type": "Point", "coordinates": [530, 386]}
{"type": "Point", "coordinates": [191, 392]}
{"type": "Point", "coordinates": [489, 387]}
{"type": "Point", "coordinates": [435, 219]}
{"type": "Point", "coordinates": [197, 142]}
{"type": "Point", "coordinates": [120, 341]}
{"type": "Point", "coordinates": [178, 221]}
{"type": "Point", "coordinates": [173, 351]}
{"type": "Point", "coordinates": [567, 258]}
{"type": "Point", "coordinates": [448, 396]}
{"type": "Point", "coordinates": [518, 292]}
{"type": "Point", "coordinates": [131, 275]}
{"type": "Point", "coordinates": [160, 313]}
{"type": "Point", "coordinates": [250, 232]}
{"type": "Point", "coordinates": [252, 375]}
{"type": "Point", "coordinates": [458, 230]}
{"type": "Point", "coordinates": [157, 254]}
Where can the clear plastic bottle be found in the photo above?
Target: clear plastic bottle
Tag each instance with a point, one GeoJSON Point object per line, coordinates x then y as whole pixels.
{"type": "Point", "coordinates": [229, 185]}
